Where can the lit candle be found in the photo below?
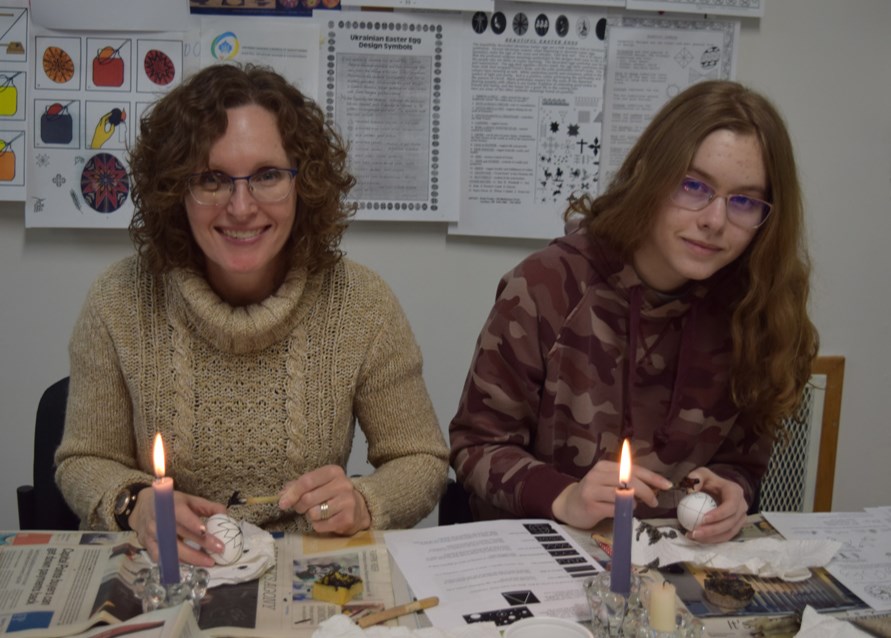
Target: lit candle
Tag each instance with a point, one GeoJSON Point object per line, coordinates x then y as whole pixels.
{"type": "Point", "coordinates": [620, 571]}
{"type": "Point", "coordinates": [663, 608]}
{"type": "Point", "coordinates": [165, 519]}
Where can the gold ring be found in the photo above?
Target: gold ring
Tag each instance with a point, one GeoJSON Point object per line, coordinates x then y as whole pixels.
{"type": "Point", "coordinates": [323, 511]}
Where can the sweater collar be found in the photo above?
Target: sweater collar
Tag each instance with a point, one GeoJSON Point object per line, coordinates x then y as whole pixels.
{"type": "Point", "coordinates": [241, 329]}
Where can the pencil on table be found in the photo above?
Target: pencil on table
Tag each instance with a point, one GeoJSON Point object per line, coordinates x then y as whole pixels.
{"type": "Point", "coordinates": [395, 612]}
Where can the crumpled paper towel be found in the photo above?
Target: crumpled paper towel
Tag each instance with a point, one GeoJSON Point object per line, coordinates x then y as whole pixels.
{"type": "Point", "coordinates": [257, 556]}
{"type": "Point", "coordinates": [765, 557]}
{"type": "Point", "coordinates": [339, 626]}
{"type": "Point", "coordinates": [815, 625]}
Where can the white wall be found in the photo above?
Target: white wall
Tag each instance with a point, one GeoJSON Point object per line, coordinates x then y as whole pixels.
{"type": "Point", "coordinates": [825, 63]}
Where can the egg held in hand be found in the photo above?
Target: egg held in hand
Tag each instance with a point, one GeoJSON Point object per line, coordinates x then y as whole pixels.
{"type": "Point", "coordinates": [693, 507]}
{"type": "Point", "coordinates": [229, 532]}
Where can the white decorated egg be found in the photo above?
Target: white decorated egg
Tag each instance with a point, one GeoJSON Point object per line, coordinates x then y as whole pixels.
{"type": "Point", "coordinates": [693, 507]}
{"type": "Point", "coordinates": [229, 532]}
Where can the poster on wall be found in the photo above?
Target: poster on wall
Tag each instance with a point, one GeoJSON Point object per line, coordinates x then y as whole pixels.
{"type": "Point", "coordinates": [736, 8]}
{"type": "Point", "coordinates": [291, 47]}
{"type": "Point", "coordinates": [390, 82]}
{"type": "Point", "coordinates": [588, 3]}
{"type": "Point", "coordinates": [262, 7]}
{"type": "Point", "coordinates": [434, 5]}
{"type": "Point", "coordinates": [14, 55]}
{"type": "Point", "coordinates": [533, 99]}
{"type": "Point", "coordinates": [101, 15]}
{"type": "Point", "coordinates": [87, 92]}
{"type": "Point", "coordinates": [651, 60]}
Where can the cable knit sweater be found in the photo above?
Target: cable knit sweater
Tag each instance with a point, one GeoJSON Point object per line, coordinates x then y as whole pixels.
{"type": "Point", "coordinates": [247, 397]}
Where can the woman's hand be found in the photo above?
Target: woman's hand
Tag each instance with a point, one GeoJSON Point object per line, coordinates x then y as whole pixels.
{"type": "Point", "coordinates": [327, 498]}
{"type": "Point", "coordinates": [190, 512]}
{"type": "Point", "coordinates": [724, 522]}
{"type": "Point", "coordinates": [593, 498]}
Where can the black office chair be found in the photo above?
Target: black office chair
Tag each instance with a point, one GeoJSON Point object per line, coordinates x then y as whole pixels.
{"type": "Point", "coordinates": [454, 506]}
{"type": "Point", "coordinates": [41, 505]}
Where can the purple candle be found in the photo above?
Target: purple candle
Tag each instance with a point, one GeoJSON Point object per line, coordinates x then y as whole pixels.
{"type": "Point", "coordinates": [165, 519]}
{"type": "Point", "coordinates": [620, 571]}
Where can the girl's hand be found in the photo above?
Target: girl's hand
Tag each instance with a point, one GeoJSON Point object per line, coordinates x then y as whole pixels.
{"type": "Point", "coordinates": [724, 522]}
{"type": "Point", "coordinates": [593, 498]}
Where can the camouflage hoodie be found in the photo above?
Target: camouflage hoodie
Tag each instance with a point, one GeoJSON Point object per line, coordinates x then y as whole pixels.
{"type": "Point", "coordinates": [550, 392]}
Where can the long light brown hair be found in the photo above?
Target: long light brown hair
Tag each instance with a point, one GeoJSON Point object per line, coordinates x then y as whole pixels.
{"type": "Point", "coordinates": [774, 341]}
{"type": "Point", "coordinates": [174, 141]}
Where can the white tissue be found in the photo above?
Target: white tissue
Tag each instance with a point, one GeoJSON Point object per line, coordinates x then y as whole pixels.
{"type": "Point", "coordinates": [765, 557]}
{"type": "Point", "coordinates": [339, 626]}
{"type": "Point", "coordinates": [257, 555]}
{"type": "Point", "coordinates": [815, 625]}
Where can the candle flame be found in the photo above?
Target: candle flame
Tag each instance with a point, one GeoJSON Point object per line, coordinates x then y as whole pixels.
{"type": "Point", "coordinates": [625, 464]}
{"type": "Point", "coordinates": [158, 455]}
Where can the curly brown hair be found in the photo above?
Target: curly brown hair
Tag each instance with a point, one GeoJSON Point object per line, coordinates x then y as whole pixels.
{"type": "Point", "coordinates": [774, 341]}
{"type": "Point", "coordinates": [175, 137]}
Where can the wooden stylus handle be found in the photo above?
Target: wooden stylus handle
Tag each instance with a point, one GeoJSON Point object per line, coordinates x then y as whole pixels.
{"type": "Point", "coordinates": [394, 612]}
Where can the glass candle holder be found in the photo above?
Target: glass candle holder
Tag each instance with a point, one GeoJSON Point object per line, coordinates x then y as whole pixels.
{"type": "Point", "coordinates": [686, 626]}
{"type": "Point", "coordinates": [191, 588]}
{"type": "Point", "coordinates": [614, 615]}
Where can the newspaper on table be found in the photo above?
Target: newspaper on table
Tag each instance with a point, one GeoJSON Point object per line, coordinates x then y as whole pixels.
{"type": "Point", "coordinates": [171, 622]}
{"type": "Point", "coordinates": [64, 583]}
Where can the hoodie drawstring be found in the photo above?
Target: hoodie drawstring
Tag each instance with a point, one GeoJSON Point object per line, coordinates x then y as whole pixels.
{"type": "Point", "coordinates": [661, 434]}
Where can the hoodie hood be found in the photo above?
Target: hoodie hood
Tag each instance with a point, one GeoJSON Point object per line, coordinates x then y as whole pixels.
{"type": "Point", "coordinates": [651, 314]}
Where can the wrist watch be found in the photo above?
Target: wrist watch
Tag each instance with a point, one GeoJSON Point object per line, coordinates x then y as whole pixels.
{"type": "Point", "coordinates": [124, 503]}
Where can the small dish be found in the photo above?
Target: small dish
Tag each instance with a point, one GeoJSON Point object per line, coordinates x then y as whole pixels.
{"type": "Point", "coordinates": [545, 626]}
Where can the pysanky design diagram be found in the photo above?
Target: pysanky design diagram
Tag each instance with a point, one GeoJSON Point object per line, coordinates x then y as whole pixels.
{"type": "Point", "coordinates": [58, 65]}
{"type": "Point", "coordinates": [229, 531]}
{"type": "Point", "coordinates": [693, 507]}
{"type": "Point", "coordinates": [104, 183]}
{"type": "Point", "coordinates": [159, 67]}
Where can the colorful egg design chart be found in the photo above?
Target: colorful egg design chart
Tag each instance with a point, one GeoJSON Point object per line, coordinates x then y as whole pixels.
{"type": "Point", "coordinates": [104, 183]}
{"type": "Point", "coordinates": [116, 116]}
{"type": "Point", "coordinates": [158, 67]}
{"type": "Point", "coordinates": [58, 65]}
{"type": "Point", "coordinates": [56, 124]}
{"type": "Point", "coordinates": [9, 95]}
{"type": "Point", "coordinates": [7, 162]}
{"type": "Point", "coordinates": [108, 68]}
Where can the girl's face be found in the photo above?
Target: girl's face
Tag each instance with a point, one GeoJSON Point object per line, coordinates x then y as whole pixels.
{"type": "Point", "coordinates": [685, 244]}
{"type": "Point", "coordinates": [243, 239]}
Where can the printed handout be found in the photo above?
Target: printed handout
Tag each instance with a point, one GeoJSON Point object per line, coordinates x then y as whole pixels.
{"type": "Point", "coordinates": [498, 571]}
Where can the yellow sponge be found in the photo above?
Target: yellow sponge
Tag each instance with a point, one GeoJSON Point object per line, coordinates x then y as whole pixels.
{"type": "Point", "coordinates": [336, 587]}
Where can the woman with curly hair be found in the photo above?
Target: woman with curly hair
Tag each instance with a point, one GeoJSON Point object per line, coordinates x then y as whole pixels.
{"type": "Point", "coordinates": [241, 334]}
{"type": "Point", "coordinates": [673, 313]}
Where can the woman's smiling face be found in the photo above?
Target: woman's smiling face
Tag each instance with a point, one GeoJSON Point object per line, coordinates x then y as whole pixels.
{"type": "Point", "coordinates": [243, 239]}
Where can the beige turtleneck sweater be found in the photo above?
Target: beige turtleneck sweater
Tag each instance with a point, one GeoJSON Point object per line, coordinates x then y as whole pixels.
{"type": "Point", "coordinates": [247, 398]}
